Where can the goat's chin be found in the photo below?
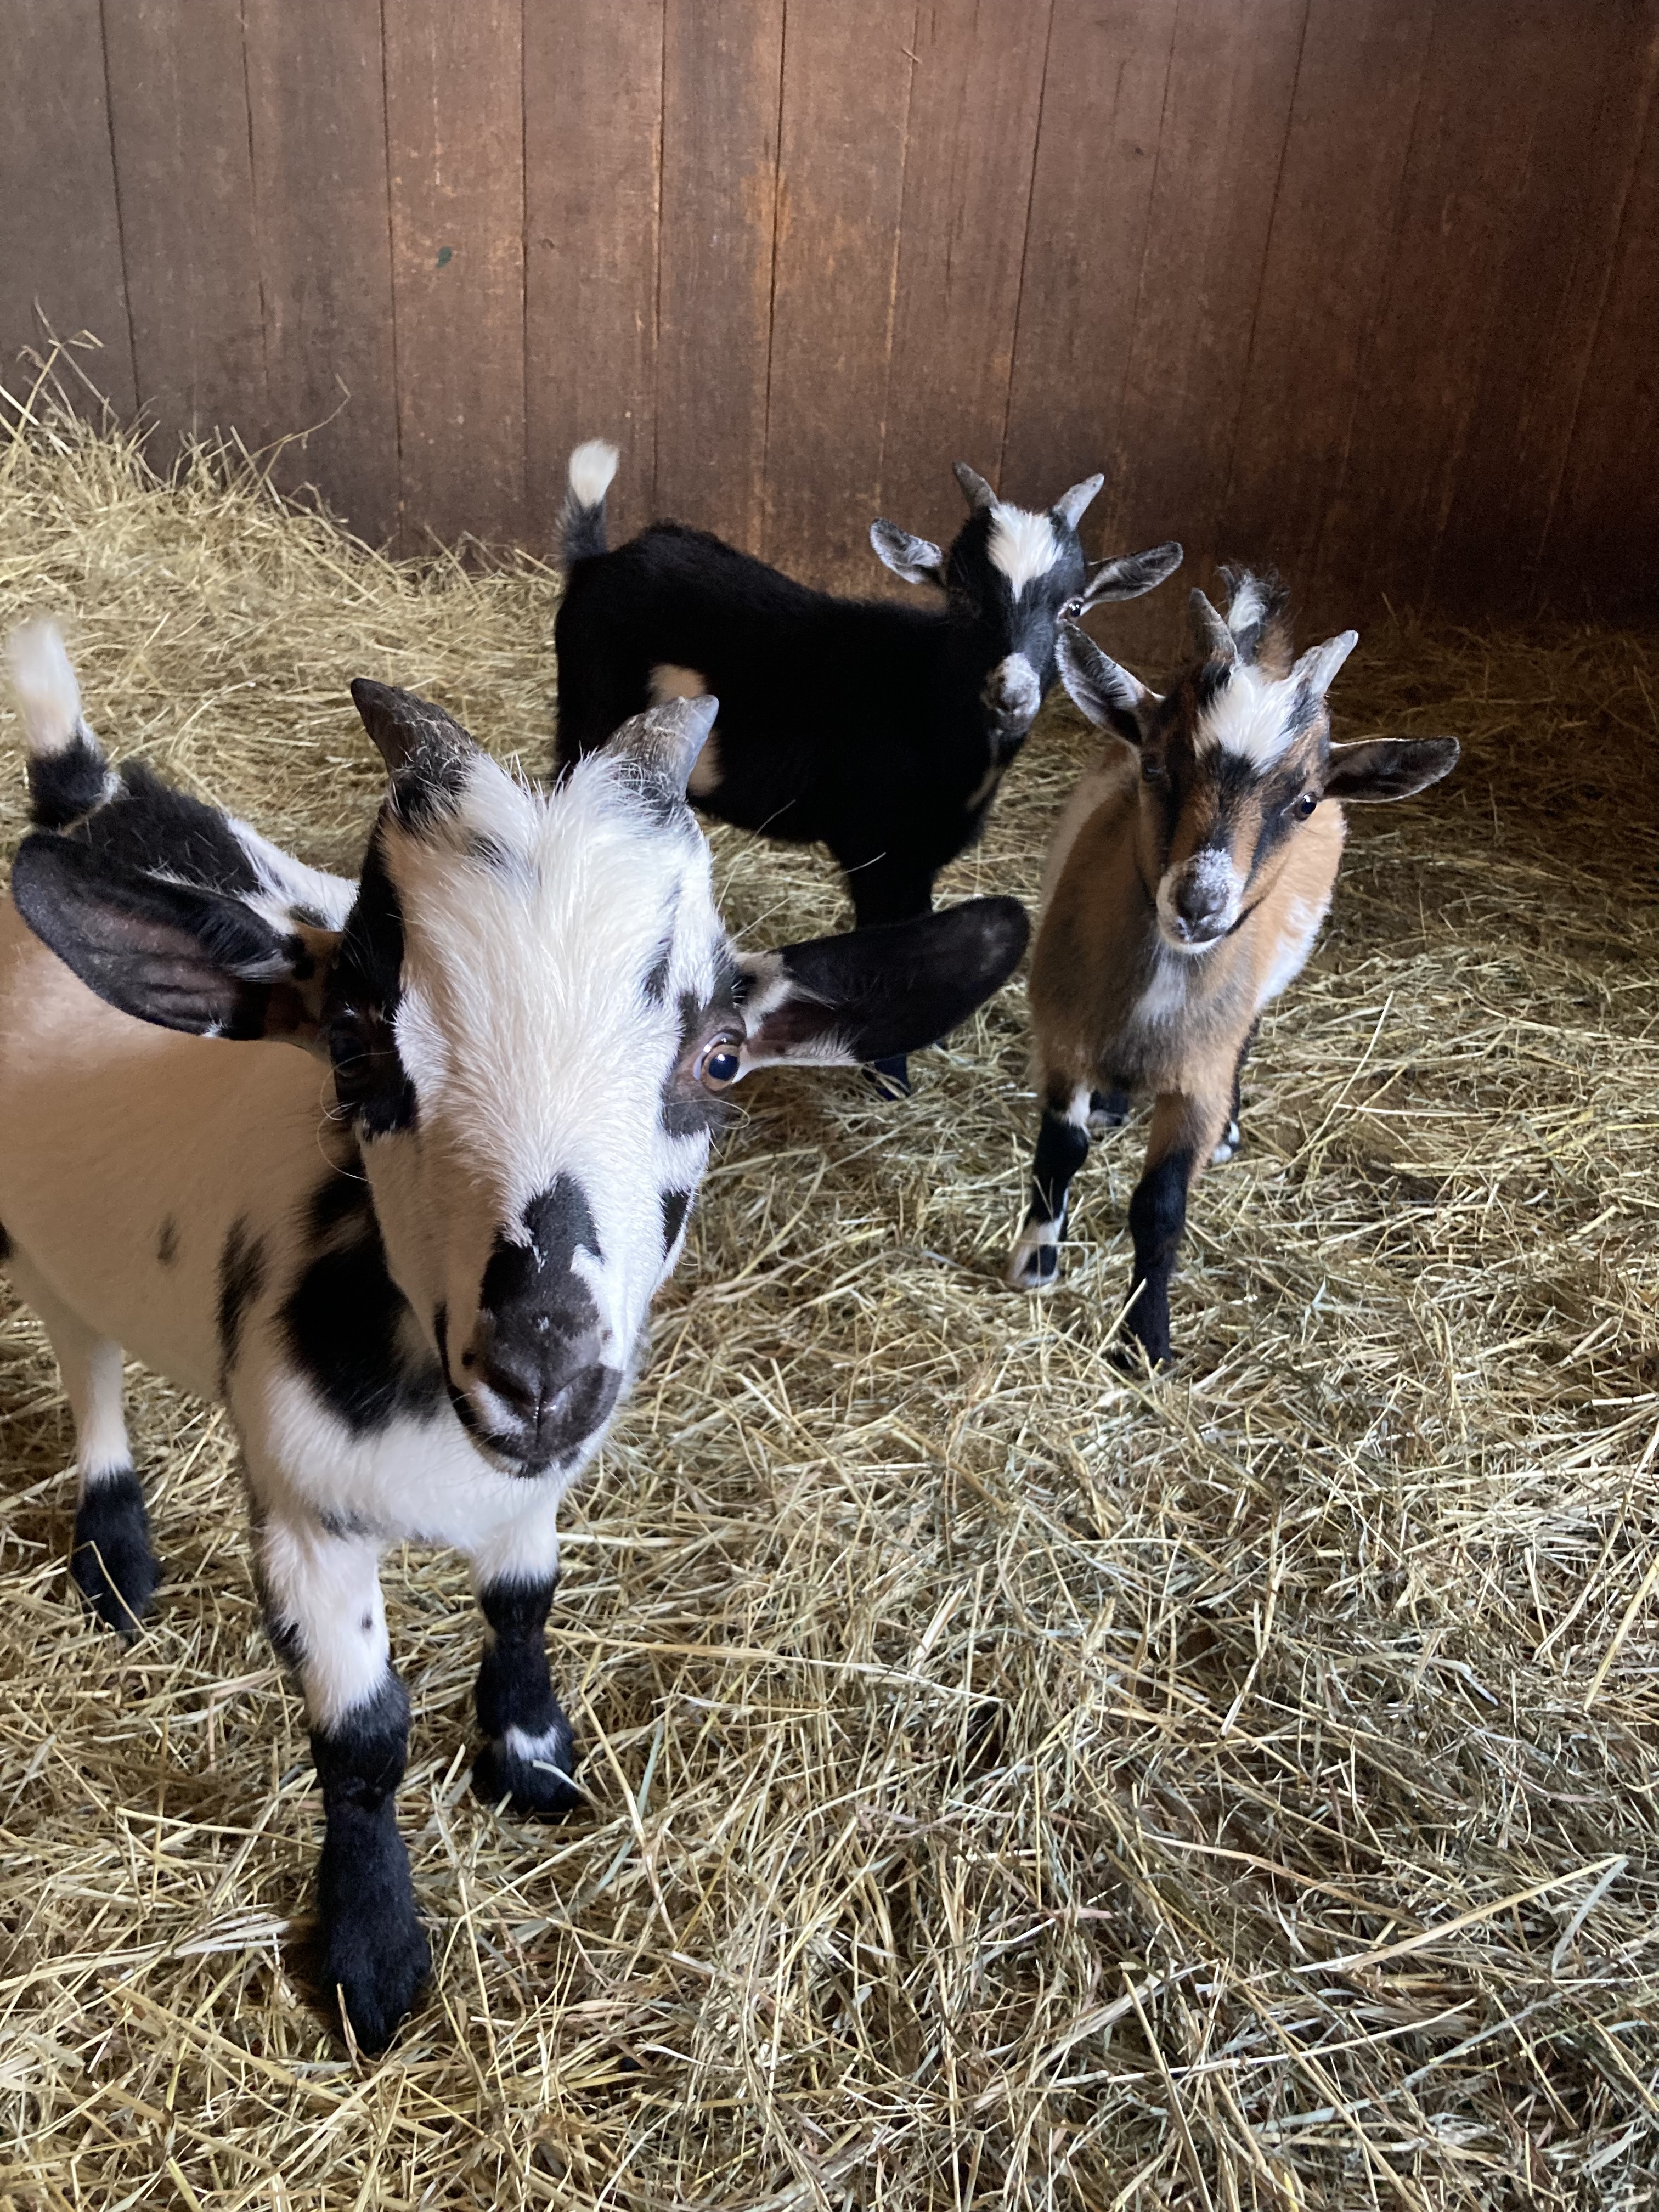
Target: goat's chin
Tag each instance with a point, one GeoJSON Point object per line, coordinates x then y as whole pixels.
{"type": "Point", "coordinates": [1189, 948]}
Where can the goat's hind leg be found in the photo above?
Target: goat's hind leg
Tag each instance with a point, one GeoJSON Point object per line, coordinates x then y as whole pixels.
{"type": "Point", "coordinates": [1063, 1146]}
{"type": "Point", "coordinates": [110, 1556]}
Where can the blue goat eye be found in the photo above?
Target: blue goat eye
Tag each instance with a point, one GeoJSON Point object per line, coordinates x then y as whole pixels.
{"type": "Point", "coordinates": [721, 1065]}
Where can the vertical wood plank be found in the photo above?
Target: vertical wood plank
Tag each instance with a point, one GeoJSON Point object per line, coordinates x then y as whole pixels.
{"type": "Point", "coordinates": [1444, 298]}
{"type": "Point", "coordinates": [178, 113]}
{"type": "Point", "coordinates": [1335, 221]}
{"type": "Point", "coordinates": [970, 148]}
{"type": "Point", "coordinates": [1220, 152]}
{"type": "Point", "coordinates": [1599, 549]}
{"type": "Point", "coordinates": [840, 170]}
{"type": "Point", "coordinates": [317, 115]}
{"type": "Point", "coordinates": [592, 179]}
{"type": "Point", "coordinates": [722, 67]}
{"type": "Point", "coordinates": [58, 188]}
{"type": "Point", "coordinates": [1562, 236]}
{"type": "Point", "coordinates": [1103, 97]}
{"type": "Point", "coordinates": [455, 109]}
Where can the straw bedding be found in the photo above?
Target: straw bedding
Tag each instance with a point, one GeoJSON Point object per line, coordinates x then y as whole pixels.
{"type": "Point", "coordinates": [1011, 1781]}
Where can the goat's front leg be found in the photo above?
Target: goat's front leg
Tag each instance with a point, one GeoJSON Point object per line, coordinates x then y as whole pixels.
{"type": "Point", "coordinates": [529, 1754]}
{"type": "Point", "coordinates": [1184, 1133]}
{"type": "Point", "coordinates": [885, 890]}
{"type": "Point", "coordinates": [1063, 1146]}
{"type": "Point", "coordinates": [322, 1601]}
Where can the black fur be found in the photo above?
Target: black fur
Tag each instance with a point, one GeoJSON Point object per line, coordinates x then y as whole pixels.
{"type": "Point", "coordinates": [674, 1206]}
{"type": "Point", "coordinates": [375, 1951]}
{"type": "Point", "coordinates": [241, 1279]}
{"type": "Point", "coordinates": [539, 1339]}
{"type": "Point", "coordinates": [148, 825]}
{"type": "Point", "coordinates": [5, 1247]}
{"type": "Point", "coordinates": [1158, 1215]}
{"type": "Point", "coordinates": [347, 1325]}
{"type": "Point", "coordinates": [515, 1690]}
{"type": "Point", "coordinates": [887, 753]}
{"type": "Point", "coordinates": [365, 988]}
{"type": "Point", "coordinates": [64, 786]}
{"type": "Point", "coordinates": [110, 1556]}
{"type": "Point", "coordinates": [1062, 1149]}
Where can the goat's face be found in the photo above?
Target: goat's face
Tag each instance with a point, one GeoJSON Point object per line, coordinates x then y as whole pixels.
{"type": "Point", "coordinates": [532, 1015]}
{"type": "Point", "coordinates": [1011, 575]}
{"type": "Point", "coordinates": [1236, 758]}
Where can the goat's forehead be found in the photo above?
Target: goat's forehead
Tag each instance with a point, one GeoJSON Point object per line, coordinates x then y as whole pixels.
{"type": "Point", "coordinates": [1024, 547]}
{"type": "Point", "coordinates": [1250, 718]}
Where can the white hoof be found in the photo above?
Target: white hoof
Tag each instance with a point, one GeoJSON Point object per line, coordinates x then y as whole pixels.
{"type": "Point", "coordinates": [1228, 1146]}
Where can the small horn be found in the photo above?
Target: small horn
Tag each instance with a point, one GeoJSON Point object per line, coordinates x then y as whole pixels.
{"type": "Point", "coordinates": [412, 733]}
{"type": "Point", "coordinates": [1317, 667]}
{"type": "Point", "coordinates": [665, 741]}
{"type": "Point", "coordinates": [1215, 641]}
{"type": "Point", "coordinates": [974, 489]}
{"type": "Point", "coordinates": [1070, 504]}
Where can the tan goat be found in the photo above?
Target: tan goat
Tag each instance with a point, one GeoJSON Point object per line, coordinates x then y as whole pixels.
{"type": "Point", "coordinates": [1186, 884]}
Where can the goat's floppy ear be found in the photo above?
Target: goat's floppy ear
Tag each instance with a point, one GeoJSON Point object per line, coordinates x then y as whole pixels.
{"type": "Point", "coordinates": [918, 560]}
{"type": "Point", "coordinates": [1131, 573]}
{"type": "Point", "coordinates": [1110, 697]}
{"type": "Point", "coordinates": [173, 954]}
{"type": "Point", "coordinates": [874, 993]}
{"type": "Point", "coordinates": [663, 743]}
{"type": "Point", "coordinates": [1389, 767]}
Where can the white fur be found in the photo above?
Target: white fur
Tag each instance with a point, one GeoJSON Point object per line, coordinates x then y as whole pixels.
{"type": "Point", "coordinates": [1249, 606]}
{"type": "Point", "coordinates": [1022, 546]}
{"type": "Point", "coordinates": [48, 696]}
{"type": "Point", "coordinates": [592, 466]}
{"type": "Point", "coordinates": [1250, 718]}
{"type": "Point", "coordinates": [1164, 998]}
{"type": "Point", "coordinates": [1012, 688]}
{"type": "Point", "coordinates": [1303, 924]}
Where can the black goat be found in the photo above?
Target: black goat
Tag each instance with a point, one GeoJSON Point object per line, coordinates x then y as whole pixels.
{"type": "Point", "coordinates": [892, 751]}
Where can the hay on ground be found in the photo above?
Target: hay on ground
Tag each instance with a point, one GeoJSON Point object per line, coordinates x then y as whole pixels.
{"type": "Point", "coordinates": [1011, 1782]}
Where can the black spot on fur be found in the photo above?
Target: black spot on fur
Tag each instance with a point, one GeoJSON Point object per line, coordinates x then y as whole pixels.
{"type": "Point", "coordinates": [655, 986]}
{"type": "Point", "coordinates": [167, 1245]}
{"type": "Point", "coordinates": [370, 1080]}
{"type": "Point", "coordinates": [348, 1328]}
{"type": "Point", "coordinates": [150, 826]}
{"type": "Point", "coordinates": [674, 1204]}
{"type": "Point", "coordinates": [375, 1951]}
{"type": "Point", "coordinates": [111, 1559]}
{"type": "Point", "coordinates": [241, 1279]}
{"type": "Point", "coordinates": [515, 1691]}
{"type": "Point", "coordinates": [1062, 1149]}
{"type": "Point", "coordinates": [66, 785]}
{"type": "Point", "coordinates": [1157, 1214]}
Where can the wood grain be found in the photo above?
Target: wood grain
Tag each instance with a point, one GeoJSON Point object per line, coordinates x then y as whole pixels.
{"type": "Point", "coordinates": [593, 136]}
{"type": "Point", "coordinates": [454, 112]}
{"type": "Point", "coordinates": [62, 258]}
{"type": "Point", "coordinates": [317, 125]}
{"type": "Point", "coordinates": [180, 120]}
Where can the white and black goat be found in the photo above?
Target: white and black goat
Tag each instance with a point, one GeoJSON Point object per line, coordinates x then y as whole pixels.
{"type": "Point", "coordinates": [414, 1258]}
{"type": "Point", "coordinates": [1187, 879]}
{"type": "Point", "coordinates": [892, 751]}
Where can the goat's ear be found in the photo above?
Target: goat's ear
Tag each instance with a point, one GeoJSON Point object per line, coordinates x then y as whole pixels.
{"type": "Point", "coordinates": [663, 743]}
{"type": "Point", "coordinates": [874, 993]}
{"type": "Point", "coordinates": [1389, 767]}
{"type": "Point", "coordinates": [1131, 573]}
{"type": "Point", "coordinates": [173, 954]}
{"type": "Point", "coordinates": [918, 560]}
{"type": "Point", "coordinates": [1110, 697]}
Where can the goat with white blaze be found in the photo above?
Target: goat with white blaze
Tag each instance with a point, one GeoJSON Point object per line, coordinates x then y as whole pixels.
{"type": "Point", "coordinates": [879, 730]}
{"type": "Point", "coordinates": [414, 1258]}
{"type": "Point", "coordinates": [1186, 884]}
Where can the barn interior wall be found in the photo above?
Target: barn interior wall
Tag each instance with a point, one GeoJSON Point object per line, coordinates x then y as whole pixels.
{"type": "Point", "coordinates": [1366, 287]}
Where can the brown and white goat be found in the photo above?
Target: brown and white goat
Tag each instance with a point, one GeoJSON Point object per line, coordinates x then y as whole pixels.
{"type": "Point", "coordinates": [1185, 886]}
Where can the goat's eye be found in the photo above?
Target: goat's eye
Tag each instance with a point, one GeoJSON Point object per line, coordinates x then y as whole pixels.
{"type": "Point", "coordinates": [1151, 768]}
{"type": "Point", "coordinates": [1305, 805]}
{"type": "Point", "coordinates": [1071, 611]}
{"type": "Point", "coordinates": [721, 1066]}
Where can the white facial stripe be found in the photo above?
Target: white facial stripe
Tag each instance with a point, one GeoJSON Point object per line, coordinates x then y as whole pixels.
{"type": "Point", "coordinates": [1023, 546]}
{"type": "Point", "coordinates": [1250, 718]}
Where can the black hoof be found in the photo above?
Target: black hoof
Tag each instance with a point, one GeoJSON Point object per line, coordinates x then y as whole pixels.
{"type": "Point", "coordinates": [376, 1967]}
{"type": "Point", "coordinates": [111, 1559]}
{"type": "Point", "coordinates": [889, 1079]}
{"type": "Point", "coordinates": [533, 1776]}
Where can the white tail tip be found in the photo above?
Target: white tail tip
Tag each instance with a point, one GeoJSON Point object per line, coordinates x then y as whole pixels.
{"type": "Point", "coordinates": [591, 467]}
{"type": "Point", "coordinates": [47, 693]}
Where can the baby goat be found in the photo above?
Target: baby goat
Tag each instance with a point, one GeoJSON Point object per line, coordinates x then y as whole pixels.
{"type": "Point", "coordinates": [891, 753]}
{"type": "Point", "coordinates": [414, 1257]}
{"type": "Point", "coordinates": [1187, 881]}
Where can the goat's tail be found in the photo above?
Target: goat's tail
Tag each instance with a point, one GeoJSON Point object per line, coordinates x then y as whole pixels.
{"type": "Point", "coordinates": [581, 524]}
{"type": "Point", "coordinates": [68, 773]}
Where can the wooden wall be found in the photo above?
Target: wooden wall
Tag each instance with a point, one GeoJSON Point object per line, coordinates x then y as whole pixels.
{"type": "Point", "coordinates": [1367, 287]}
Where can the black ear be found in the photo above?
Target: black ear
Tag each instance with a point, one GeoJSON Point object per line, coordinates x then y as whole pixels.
{"type": "Point", "coordinates": [918, 560]}
{"type": "Point", "coordinates": [174, 954]}
{"type": "Point", "coordinates": [874, 993]}
{"type": "Point", "coordinates": [1108, 694]}
{"type": "Point", "coordinates": [1131, 573]}
{"type": "Point", "coordinates": [1389, 767]}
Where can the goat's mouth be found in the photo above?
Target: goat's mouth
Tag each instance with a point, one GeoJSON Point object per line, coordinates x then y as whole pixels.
{"type": "Point", "coordinates": [553, 1439]}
